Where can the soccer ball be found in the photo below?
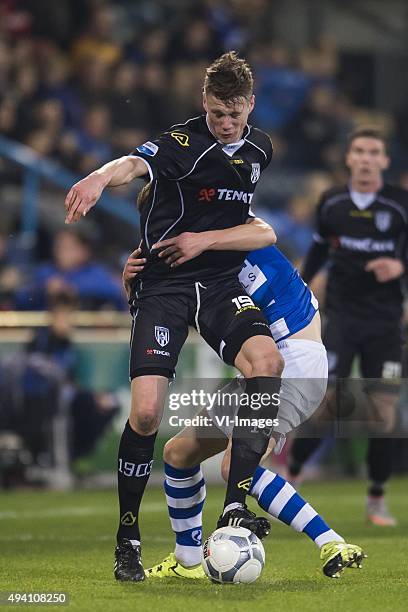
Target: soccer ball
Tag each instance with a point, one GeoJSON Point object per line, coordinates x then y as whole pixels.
{"type": "Point", "coordinates": [233, 555]}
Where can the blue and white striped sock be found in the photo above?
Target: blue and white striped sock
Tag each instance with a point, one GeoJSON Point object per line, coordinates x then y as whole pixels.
{"type": "Point", "coordinates": [185, 494]}
{"type": "Point", "coordinates": [277, 497]}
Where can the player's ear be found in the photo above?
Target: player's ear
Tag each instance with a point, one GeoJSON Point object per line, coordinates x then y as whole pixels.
{"type": "Point", "coordinates": [204, 101]}
{"type": "Point", "coordinates": [251, 103]}
{"type": "Point", "coordinates": [386, 163]}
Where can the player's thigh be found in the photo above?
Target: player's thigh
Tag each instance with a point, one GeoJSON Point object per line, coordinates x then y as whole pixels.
{"type": "Point", "coordinates": [339, 342]}
{"type": "Point", "coordinates": [303, 388]}
{"type": "Point", "coordinates": [159, 330]}
{"type": "Point", "coordinates": [381, 353]}
{"type": "Point", "coordinates": [228, 317]}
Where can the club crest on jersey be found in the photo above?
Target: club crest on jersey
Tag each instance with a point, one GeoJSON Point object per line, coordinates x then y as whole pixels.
{"type": "Point", "coordinates": [382, 220]}
{"type": "Point", "coordinates": [181, 138]}
{"type": "Point", "coordinates": [256, 172]}
{"type": "Point", "coordinates": [162, 335]}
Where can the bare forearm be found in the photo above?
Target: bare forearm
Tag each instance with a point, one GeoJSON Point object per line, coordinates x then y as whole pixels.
{"type": "Point", "coordinates": [248, 237]}
{"type": "Point", "coordinates": [84, 195]}
{"type": "Point", "coordinates": [121, 171]}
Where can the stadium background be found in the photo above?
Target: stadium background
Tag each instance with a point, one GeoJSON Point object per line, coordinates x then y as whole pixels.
{"type": "Point", "coordinates": [84, 81]}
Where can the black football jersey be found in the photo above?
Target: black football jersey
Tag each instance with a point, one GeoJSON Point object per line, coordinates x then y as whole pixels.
{"type": "Point", "coordinates": [356, 236]}
{"type": "Point", "coordinates": [199, 184]}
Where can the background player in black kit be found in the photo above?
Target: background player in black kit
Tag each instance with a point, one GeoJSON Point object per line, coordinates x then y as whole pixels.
{"type": "Point", "coordinates": [362, 231]}
{"type": "Point", "coordinates": [202, 177]}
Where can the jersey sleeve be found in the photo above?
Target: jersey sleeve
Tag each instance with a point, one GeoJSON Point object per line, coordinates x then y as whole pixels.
{"type": "Point", "coordinates": [322, 231]}
{"type": "Point", "coordinates": [268, 152]}
{"type": "Point", "coordinates": [318, 252]}
{"type": "Point", "coordinates": [168, 156]}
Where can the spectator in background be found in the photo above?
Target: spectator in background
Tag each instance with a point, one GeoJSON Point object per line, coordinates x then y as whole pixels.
{"type": "Point", "coordinates": [92, 81]}
{"type": "Point", "coordinates": [98, 41]}
{"type": "Point", "coordinates": [44, 376]}
{"type": "Point", "coordinates": [73, 270]}
{"type": "Point", "coordinates": [10, 269]}
{"type": "Point", "coordinates": [93, 138]}
{"type": "Point", "coordinates": [150, 45]}
{"type": "Point", "coordinates": [53, 358]}
{"type": "Point", "coordinates": [187, 78]}
{"type": "Point", "coordinates": [314, 130]}
{"type": "Point", "coordinates": [281, 88]}
{"type": "Point", "coordinates": [194, 42]}
{"type": "Point", "coordinates": [154, 91]}
{"type": "Point", "coordinates": [56, 85]}
{"type": "Point", "coordinates": [238, 24]}
{"type": "Point", "coordinates": [8, 116]}
{"type": "Point", "coordinates": [128, 108]}
{"type": "Point", "coordinates": [26, 93]}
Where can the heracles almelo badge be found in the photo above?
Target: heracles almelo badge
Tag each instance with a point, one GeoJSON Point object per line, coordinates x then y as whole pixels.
{"type": "Point", "coordinates": [162, 335]}
{"type": "Point", "coordinates": [256, 172]}
{"type": "Point", "coordinates": [382, 220]}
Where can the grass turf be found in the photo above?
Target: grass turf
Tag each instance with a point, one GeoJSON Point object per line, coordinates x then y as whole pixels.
{"type": "Point", "coordinates": [51, 542]}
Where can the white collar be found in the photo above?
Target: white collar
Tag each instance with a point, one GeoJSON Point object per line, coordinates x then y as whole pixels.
{"type": "Point", "coordinates": [362, 200]}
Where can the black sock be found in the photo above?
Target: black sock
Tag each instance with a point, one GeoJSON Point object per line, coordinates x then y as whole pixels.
{"type": "Point", "coordinates": [249, 443]}
{"type": "Point", "coordinates": [302, 449]}
{"type": "Point", "coordinates": [379, 460]}
{"type": "Point", "coordinates": [135, 459]}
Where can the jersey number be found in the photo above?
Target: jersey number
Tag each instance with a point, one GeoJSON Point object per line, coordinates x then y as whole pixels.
{"type": "Point", "coordinates": [242, 301]}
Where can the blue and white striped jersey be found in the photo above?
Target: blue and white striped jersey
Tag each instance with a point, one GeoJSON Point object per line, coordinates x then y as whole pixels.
{"type": "Point", "coordinates": [277, 288]}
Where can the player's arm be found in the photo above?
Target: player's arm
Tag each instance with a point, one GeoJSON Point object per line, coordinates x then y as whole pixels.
{"type": "Point", "coordinates": [315, 259]}
{"type": "Point", "coordinates": [318, 253]}
{"type": "Point", "coordinates": [254, 234]}
{"type": "Point", "coordinates": [84, 195]}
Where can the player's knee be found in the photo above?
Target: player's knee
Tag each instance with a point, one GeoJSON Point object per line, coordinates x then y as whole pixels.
{"type": "Point", "coordinates": [146, 421]}
{"type": "Point", "coordinates": [173, 455]}
{"type": "Point", "coordinates": [385, 408]}
{"type": "Point", "coordinates": [388, 422]}
{"type": "Point", "coordinates": [267, 363]}
{"type": "Point", "coordinates": [178, 456]}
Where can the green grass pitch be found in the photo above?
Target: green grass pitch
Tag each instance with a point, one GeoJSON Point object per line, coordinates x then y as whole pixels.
{"type": "Point", "coordinates": [64, 542]}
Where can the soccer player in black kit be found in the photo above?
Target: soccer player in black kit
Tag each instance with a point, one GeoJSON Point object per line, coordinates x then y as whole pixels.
{"type": "Point", "coordinates": [362, 231]}
{"type": "Point", "coordinates": [202, 177]}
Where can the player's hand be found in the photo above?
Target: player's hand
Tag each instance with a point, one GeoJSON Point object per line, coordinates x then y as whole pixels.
{"type": "Point", "coordinates": [133, 266]}
{"type": "Point", "coordinates": [57, 284]}
{"type": "Point", "coordinates": [182, 248]}
{"type": "Point", "coordinates": [82, 196]}
{"type": "Point", "coordinates": [385, 268]}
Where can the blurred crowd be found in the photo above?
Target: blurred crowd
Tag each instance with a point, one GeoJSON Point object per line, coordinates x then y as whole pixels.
{"type": "Point", "coordinates": [86, 81]}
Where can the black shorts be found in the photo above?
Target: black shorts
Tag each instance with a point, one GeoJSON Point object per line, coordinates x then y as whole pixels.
{"type": "Point", "coordinates": [378, 347]}
{"type": "Point", "coordinates": [223, 314]}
